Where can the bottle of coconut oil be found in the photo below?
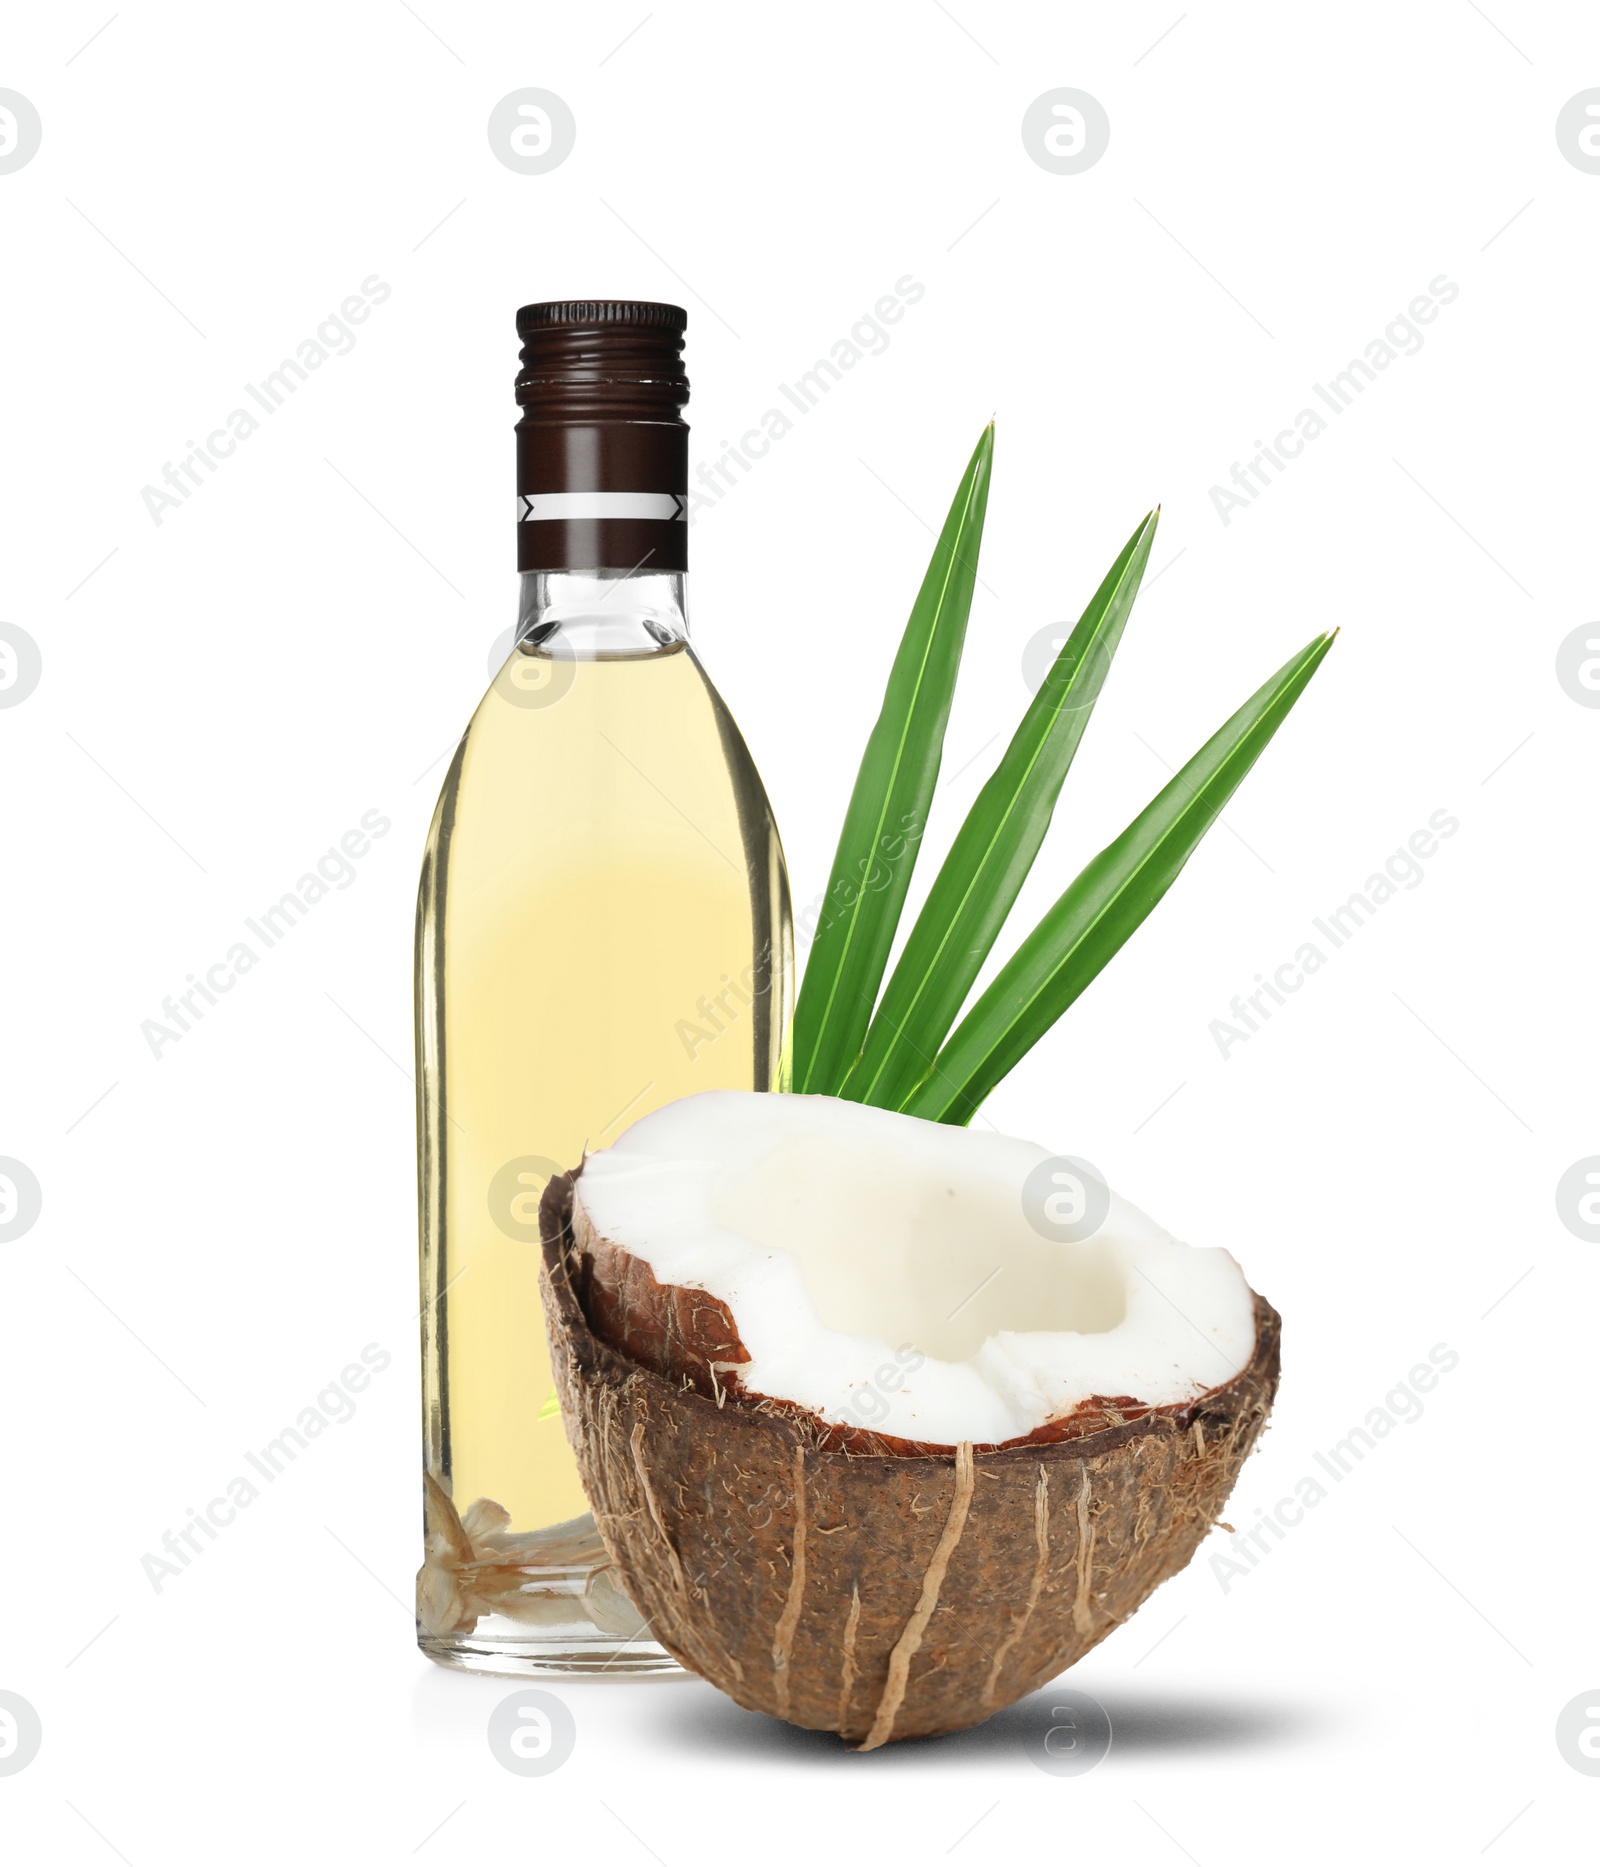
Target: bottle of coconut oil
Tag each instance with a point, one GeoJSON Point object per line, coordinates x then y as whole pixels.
{"type": "Point", "coordinates": [603, 926]}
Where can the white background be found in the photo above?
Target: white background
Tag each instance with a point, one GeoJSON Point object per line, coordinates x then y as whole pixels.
{"type": "Point", "coordinates": [301, 642]}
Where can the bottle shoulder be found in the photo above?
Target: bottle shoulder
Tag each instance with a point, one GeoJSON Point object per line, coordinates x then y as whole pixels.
{"type": "Point", "coordinates": [561, 740]}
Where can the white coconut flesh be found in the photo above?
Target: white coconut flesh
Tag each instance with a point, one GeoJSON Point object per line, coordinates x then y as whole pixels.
{"type": "Point", "coordinates": [883, 1272]}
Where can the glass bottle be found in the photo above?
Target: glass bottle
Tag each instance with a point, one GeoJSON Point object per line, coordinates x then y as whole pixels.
{"type": "Point", "coordinates": [603, 926]}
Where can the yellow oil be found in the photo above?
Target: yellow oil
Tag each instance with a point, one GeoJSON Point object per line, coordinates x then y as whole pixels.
{"type": "Point", "coordinates": [603, 927]}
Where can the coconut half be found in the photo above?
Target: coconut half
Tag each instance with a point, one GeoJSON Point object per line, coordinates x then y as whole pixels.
{"type": "Point", "coordinates": [870, 1449]}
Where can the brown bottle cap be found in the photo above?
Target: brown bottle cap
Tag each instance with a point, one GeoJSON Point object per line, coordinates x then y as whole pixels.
{"type": "Point", "coordinates": [602, 447]}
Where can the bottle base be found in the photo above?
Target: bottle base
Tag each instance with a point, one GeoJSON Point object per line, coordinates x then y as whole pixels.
{"type": "Point", "coordinates": [518, 1657]}
{"type": "Point", "coordinates": [489, 1601]}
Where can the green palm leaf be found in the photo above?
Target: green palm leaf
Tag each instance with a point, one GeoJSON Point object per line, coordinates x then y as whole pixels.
{"type": "Point", "coordinates": [994, 849]}
{"type": "Point", "coordinates": [888, 810]}
{"type": "Point", "coordinates": [1103, 906]}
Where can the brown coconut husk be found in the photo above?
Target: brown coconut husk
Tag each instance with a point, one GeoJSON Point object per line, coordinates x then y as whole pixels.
{"type": "Point", "coordinates": [884, 1593]}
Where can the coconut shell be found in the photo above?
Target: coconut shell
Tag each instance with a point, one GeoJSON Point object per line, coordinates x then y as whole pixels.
{"type": "Point", "coordinates": [884, 1594]}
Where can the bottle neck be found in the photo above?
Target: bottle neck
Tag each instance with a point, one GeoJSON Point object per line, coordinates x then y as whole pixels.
{"type": "Point", "coordinates": [598, 615]}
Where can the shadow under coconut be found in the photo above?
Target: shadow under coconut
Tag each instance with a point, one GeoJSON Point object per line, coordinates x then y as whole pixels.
{"type": "Point", "coordinates": [1152, 1723]}
{"type": "Point", "coordinates": [1145, 1723]}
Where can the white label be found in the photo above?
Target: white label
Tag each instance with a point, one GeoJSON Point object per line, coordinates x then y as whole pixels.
{"type": "Point", "coordinates": [601, 506]}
